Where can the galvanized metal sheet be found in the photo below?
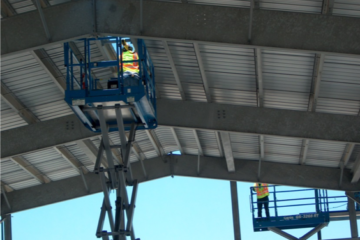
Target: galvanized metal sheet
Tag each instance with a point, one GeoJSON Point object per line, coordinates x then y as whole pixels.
{"type": "Point", "coordinates": [225, 3]}
{"type": "Point", "coordinates": [209, 143]}
{"type": "Point", "coordinates": [307, 6]}
{"type": "Point", "coordinates": [245, 146]}
{"type": "Point", "coordinates": [349, 8]}
{"type": "Point", "coordinates": [9, 118]}
{"type": "Point", "coordinates": [287, 79]}
{"type": "Point", "coordinates": [282, 149]}
{"type": "Point", "coordinates": [340, 85]}
{"type": "Point", "coordinates": [74, 149]}
{"type": "Point", "coordinates": [326, 154]}
{"type": "Point", "coordinates": [22, 6]}
{"type": "Point", "coordinates": [166, 139]}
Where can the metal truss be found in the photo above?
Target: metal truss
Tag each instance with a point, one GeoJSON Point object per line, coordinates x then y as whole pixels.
{"type": "Point", "coordinates": [116, 177]}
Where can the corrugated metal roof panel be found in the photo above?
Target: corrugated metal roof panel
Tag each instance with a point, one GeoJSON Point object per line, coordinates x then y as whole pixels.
{"type": "Point", "coordinates": [230, 72]}
{"type": "Point", "coordinates": [349, 8]}
{"type": "Point", "coordinates": [187, 141]}
{"type": "Point", "coordinates": [15, 176]}
{"type": "Point", "coordinates": [74, 149]}
{"type": "Point", "coordinates": [166, 139]}
{"type": "Point", "coordinates": [51, 163]}
{"type": "Point", "coordinates": [25, 184]}
{"type": "Point", "coordinates": [208, 143]}
{"type": "Point", "coordinates": [282, 149]}
{"type": "Point", "coordinates": [340, 85]}
{"type": "Point", "coordinates": [22, 6]}
{"type": "Point", "coordinates": [9, 118]}
{"type": "Point", "coordinates": [55, 2]}
{"type": "Point", "coordinates": [166, 86]}
{"type": "Point", "coordinates": [245, 146]}
{"type": "Point", "coordinates": [287, 79]}
{"type": "Point", "coordinates": [308, 6]}
{"type": "Point", "coordinates": [225, 3]}
{"type": "Point", "coordinates": [24, 76]}
{"type": "Point", "coordinates": [327, 154]}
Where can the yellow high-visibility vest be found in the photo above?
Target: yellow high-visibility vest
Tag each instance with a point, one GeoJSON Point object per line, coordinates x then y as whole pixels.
{"type": "Point", "coordinates": [130, 67]}
{"type": "Point", "coordinates": [262, 191]}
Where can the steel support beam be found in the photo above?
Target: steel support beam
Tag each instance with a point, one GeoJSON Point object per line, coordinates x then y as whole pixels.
{"type": "Point", "coordinates": [352, 218]}
{"type": "Point", "coordinates": [318, 66]}
{"type": "Point", "coordinates": [226, 144]}
{"type": "Point", "coordinates": [11, 99]}
{"type": "Point", "coordinates": [155, 142]}
{"type": "Point", "coordinates": [203, 73]}
{"type": "Point", "coordinates": [313, 231]}
{"type": "Point", "coordinates": [177, 140]}
{"type": "Point", "coordinates": [173, 68]}
{"type": "Point", "coordinates": [356, 170]}
{"type": "Point", "coordinates": [8, 228]}
{"type": "Point", "coordinates": [200, 150]}
{"type": "Point", "coordinates": [50, 68]}
{"type": "Point", "coordinates": [6, 187]}
{"type": "Point", "coordinates": [235, 210]}
{"type": "Point", "coordinates": [186, 165]}
{"type": "Point", "coordinates": [91, 151]}
{"type": "Point", "coordinates": [290, 30]}
{"type": "Point", "coordinates": [30, 169]}
{"type": "Point", "coordinates": [71, 159]}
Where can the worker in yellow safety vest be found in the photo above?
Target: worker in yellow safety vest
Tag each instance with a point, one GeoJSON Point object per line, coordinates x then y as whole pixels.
{"type": "Point", "coordinates": [130, 69]}
{"type": "Point", "coordinates": [262, 193]}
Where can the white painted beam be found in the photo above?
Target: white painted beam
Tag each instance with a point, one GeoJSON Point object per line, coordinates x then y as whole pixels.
{"type": "Point", "coordinates": [29, 168]}
{"type": "Point", "coordinates": [173, 68]}
{"type": "Point", "coordinates": [177, 140]}
{"type": "Point", "coordinates": [259, 77]}
{"type": "Point", "coordinates": [226, 143]}
{"type": "Point", "coordinates": [71, 159]}
{"type": "Point", "coordinates": [317, 74]}
{"type": "Point", "coordinates": [201, 152]}
{"type": "Point", "coordinates": [356, 170]}
{"type": "Point", "coordinates": [11, 99]}
{"type": "Point", "coordinates": [203, 73]}
{"type": "Point", "coordinates": [155, 142]}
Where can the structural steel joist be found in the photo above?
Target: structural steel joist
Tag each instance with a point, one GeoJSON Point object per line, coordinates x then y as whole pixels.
{"type": "Point", "coordinates": [30, 169]}
{"type": "Point", "coordinates": [287, 30]}
{"type": "Point", "coordinates": [186, 165]}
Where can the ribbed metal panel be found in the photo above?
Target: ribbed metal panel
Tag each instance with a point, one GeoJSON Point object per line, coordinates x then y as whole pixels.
{"type": "Point", "coordinates": [9, 118]}
{"type": "Point", "coordinates": [25, 184]}
{"type": "Point", "coordinates": [80, 155]}
{"type": "Point", "coordinates": [51, 163]}
{"type": "Point", "coordinates": [324, 154]}
{"type": "Point", "coordinates": [166, 86]}
{"type": "Point", "coordinates": [166, 139]}
{"type": "Point", "coordinates": [282, 149]}
{"type": "Point", "coordinates": [230, 73]}
{"type": "Point", "coordinates": [287, 79]}
{"type": "Point", "coordinates": [245, 146]}
{"type": "Point", "coordinates": [340, 86]}
{"type": "Point", "coordinates": [15, 176]}
{"type": "Point", "coordinates": [23, 75]}
{"type": "Point", "coordinates": [172, 1]}
{"type": "Point", "coordinates": [349, 8]}
{"type": "Point", "coordinates": [145, 145]}
{"type": "Point", "coordinates": [225, 3]}
{"type": "Point", "coordinates": [188, 70]}
{"type": "Point", "coordinates": [22, 6]}
{"type": "Point", "coordinates": [55, 2]}
{"type": "Point", "coordinates": [187, 141]}
{"type": "Point", "coordinates": [307, 6]}
{"type": "Point", "coordinates": [208, 143]}
{"type": "Point", "coordinates": [354, 155]}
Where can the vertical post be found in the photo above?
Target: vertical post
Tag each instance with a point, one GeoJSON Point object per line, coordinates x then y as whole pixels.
{"type": "Point", "coordinates": [275, 205]}
{"type": "Point", "coordinates": [8, 233]}
{"type": "Point", "coordinates": [235, 210]}
{"type": "Point", "coordinates": [352, 218]}
{"type": "Point", "coordinates": [319, 235]}
{"type": "Point", "coordinates": [317, 200]}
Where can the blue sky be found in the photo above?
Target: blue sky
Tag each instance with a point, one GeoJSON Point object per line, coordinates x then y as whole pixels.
{"type": "Point", "coordinates": [170, 208]}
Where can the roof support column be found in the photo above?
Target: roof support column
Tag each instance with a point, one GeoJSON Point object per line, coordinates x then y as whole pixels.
{"type": "Point", "coordinates": [235, 210]}
{"type": "Point", "coordinates": [352, 218]}
{"type": "Point", "coordinates": [8, 231]}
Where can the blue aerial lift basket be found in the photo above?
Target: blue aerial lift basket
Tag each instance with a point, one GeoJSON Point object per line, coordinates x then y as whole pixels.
{"type": "Point", "coordinates": [313, 202]}
{"type": "Point", "coordinates": [86, 96]}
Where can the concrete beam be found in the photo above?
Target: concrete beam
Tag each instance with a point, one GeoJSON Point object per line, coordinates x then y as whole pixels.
{"type": "Point", "coordinates": [184, 165]}
{"type": "Point", "coordinates": [259, 121]}
{"type": "Point", "coordinates": [72, 20]}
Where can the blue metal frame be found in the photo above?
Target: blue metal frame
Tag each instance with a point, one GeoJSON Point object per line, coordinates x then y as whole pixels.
{"type": "Point", "coordinates": [319, 202]}
{"type": "Point", "coordinates": [82, 91]}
